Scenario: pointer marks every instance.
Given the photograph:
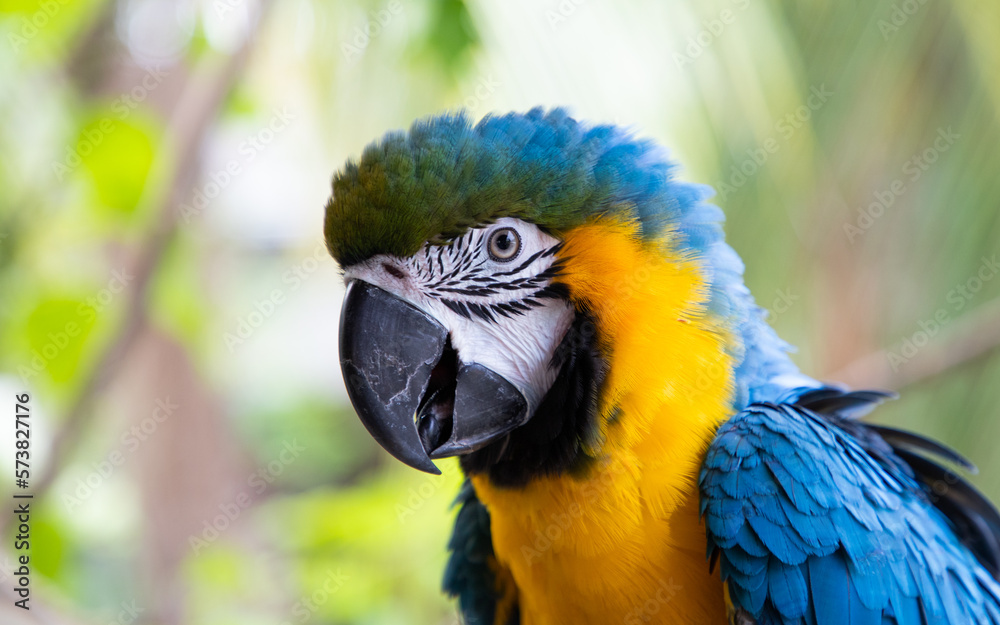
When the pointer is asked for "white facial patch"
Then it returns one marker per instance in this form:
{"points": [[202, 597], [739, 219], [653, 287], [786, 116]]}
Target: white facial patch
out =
{"points": [[492, 289]]}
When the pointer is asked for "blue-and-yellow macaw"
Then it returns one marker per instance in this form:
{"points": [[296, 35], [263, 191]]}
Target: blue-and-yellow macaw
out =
{"points": [[544, 300]]}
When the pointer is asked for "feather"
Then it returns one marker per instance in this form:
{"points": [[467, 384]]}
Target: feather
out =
{"points": [[748, 565], [787, 589], [846, 405], [901, 438], [830, 586], [856, 533], [782, 544], [977, 522]]}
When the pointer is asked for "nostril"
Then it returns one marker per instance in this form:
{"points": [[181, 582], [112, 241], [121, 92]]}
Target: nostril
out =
{"points": [[393, 271]]}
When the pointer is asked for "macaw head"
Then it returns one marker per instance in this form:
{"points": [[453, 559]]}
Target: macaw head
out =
{"points": [[492, 270]]}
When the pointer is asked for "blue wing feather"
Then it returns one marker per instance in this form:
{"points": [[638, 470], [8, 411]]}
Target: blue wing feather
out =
{"points": [[814, 528]]}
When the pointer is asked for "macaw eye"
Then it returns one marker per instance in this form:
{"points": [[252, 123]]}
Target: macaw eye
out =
{"points": [[504, 244]]}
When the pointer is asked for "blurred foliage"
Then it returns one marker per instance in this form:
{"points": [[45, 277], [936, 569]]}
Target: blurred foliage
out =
{"points": [[816, 122]]}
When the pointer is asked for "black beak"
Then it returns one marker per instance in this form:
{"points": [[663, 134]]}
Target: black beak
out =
{"points": [[409, 388]]}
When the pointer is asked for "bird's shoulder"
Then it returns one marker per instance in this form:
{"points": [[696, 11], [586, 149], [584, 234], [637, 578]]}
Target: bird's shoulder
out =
{"points": [[814, 517]]}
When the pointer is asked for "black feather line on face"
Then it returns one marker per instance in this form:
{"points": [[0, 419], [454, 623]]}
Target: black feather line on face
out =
{"points": [[463, 276], [556, 290], [511, 308], [527, 263], [457, 307], [483, 312], [462, 241], [495, 308], [476, 292]]}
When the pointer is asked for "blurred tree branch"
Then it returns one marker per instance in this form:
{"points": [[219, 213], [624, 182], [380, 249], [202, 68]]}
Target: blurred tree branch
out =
{"points": [[968, 338], [86, 62], [203, 95]]}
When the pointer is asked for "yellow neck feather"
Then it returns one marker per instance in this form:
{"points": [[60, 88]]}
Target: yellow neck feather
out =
{"points": [[617, 543]]}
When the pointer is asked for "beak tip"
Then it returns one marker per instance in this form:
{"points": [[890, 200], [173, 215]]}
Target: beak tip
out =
{"points": [[421, 464]]}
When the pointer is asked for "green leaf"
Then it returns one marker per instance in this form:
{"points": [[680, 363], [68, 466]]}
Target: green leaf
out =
{"points": [[47, 544], [118, 155], [39, 29], [452, 33], [57, 330]]}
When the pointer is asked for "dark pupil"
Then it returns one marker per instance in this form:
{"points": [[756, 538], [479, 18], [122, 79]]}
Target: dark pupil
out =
{"points": [[504, 242]]}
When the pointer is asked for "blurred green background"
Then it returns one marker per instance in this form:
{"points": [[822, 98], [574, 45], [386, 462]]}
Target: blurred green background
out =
{"points": [[166, 300]]}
